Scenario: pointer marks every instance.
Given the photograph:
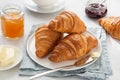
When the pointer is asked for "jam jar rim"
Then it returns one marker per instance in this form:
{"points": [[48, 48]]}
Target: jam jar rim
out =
{"points": [[12, 6]]}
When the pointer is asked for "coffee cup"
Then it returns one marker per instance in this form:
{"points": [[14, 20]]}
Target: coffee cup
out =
{"points": [[45, 3]]}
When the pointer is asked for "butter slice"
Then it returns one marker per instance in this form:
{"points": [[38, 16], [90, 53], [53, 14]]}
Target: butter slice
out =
{"points": [[2, 53], [95, 54], [9, 56]]}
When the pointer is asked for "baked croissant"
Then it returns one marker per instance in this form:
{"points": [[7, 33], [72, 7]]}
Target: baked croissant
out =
{"points": [[72, 47], [111, 25], [45, 40], [67, 22]]}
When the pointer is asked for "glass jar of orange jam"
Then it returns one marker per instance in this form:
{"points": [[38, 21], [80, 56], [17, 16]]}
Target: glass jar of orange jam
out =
{"points": [[12, 21]]}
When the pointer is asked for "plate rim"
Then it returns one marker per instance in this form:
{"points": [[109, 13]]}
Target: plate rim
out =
{"points": [[50, 11], [76, 68], [17, 62]]}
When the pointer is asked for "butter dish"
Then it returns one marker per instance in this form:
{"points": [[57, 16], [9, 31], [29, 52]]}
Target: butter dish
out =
{"points": [[10, 56]]}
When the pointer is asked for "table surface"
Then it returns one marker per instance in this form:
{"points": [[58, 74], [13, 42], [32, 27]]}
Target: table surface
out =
{"points": [[77, 6]]}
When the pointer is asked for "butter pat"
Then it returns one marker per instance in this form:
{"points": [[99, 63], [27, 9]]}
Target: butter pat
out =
{"points": [[95, 54], [8, 56], [2, 53]]}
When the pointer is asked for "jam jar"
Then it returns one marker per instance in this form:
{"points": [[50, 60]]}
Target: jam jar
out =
{"points": [[12, 21], [96, 8]]}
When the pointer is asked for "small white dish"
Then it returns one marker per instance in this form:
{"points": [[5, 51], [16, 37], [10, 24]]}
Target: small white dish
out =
{"points": [[18, 58], [45, 62], [54, 8], [44, 3]]}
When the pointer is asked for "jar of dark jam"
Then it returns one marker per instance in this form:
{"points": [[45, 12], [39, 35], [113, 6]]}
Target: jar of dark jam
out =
{"points": [[96, 8]]}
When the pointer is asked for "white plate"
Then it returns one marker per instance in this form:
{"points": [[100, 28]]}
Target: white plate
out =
{"points": [[56, 7], [51, 65], [18, 58]]}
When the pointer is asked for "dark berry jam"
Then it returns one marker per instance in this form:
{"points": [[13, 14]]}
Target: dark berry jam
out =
{"points": [[96, 10]]}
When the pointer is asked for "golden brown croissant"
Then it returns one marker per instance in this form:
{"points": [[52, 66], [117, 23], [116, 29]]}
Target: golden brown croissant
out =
{"points": [[67, 22], [45, 40], [111, 25], [74, 46]]}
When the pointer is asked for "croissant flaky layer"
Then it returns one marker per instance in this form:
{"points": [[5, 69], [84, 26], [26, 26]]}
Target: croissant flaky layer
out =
{"points": [[111, 25], [67, 22], [73, 46], [45, 40]]}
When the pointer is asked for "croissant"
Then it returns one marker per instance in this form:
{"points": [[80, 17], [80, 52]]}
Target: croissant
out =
{"points": [[72, 47], [67, 22], [111, 25], [45, 40]]}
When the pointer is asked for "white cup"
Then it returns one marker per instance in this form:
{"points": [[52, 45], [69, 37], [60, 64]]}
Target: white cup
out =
{"points": [[45, 3]]}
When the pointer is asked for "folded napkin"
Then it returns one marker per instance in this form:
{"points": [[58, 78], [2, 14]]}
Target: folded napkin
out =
{"points": [[100, 70]]}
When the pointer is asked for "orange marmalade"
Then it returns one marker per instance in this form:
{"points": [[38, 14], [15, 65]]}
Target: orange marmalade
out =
{"points": [[12, 22]]}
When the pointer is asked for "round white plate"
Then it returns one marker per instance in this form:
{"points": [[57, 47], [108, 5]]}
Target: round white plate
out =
{"points": [[18, 58], [56, 7], [51, 65]]}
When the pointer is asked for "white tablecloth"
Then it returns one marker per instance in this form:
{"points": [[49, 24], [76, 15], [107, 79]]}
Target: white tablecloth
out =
{"points": [[77, 6]]}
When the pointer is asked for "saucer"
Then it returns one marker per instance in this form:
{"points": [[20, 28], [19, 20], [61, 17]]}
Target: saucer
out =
{"points": [[18, 58], [54, 8]]}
